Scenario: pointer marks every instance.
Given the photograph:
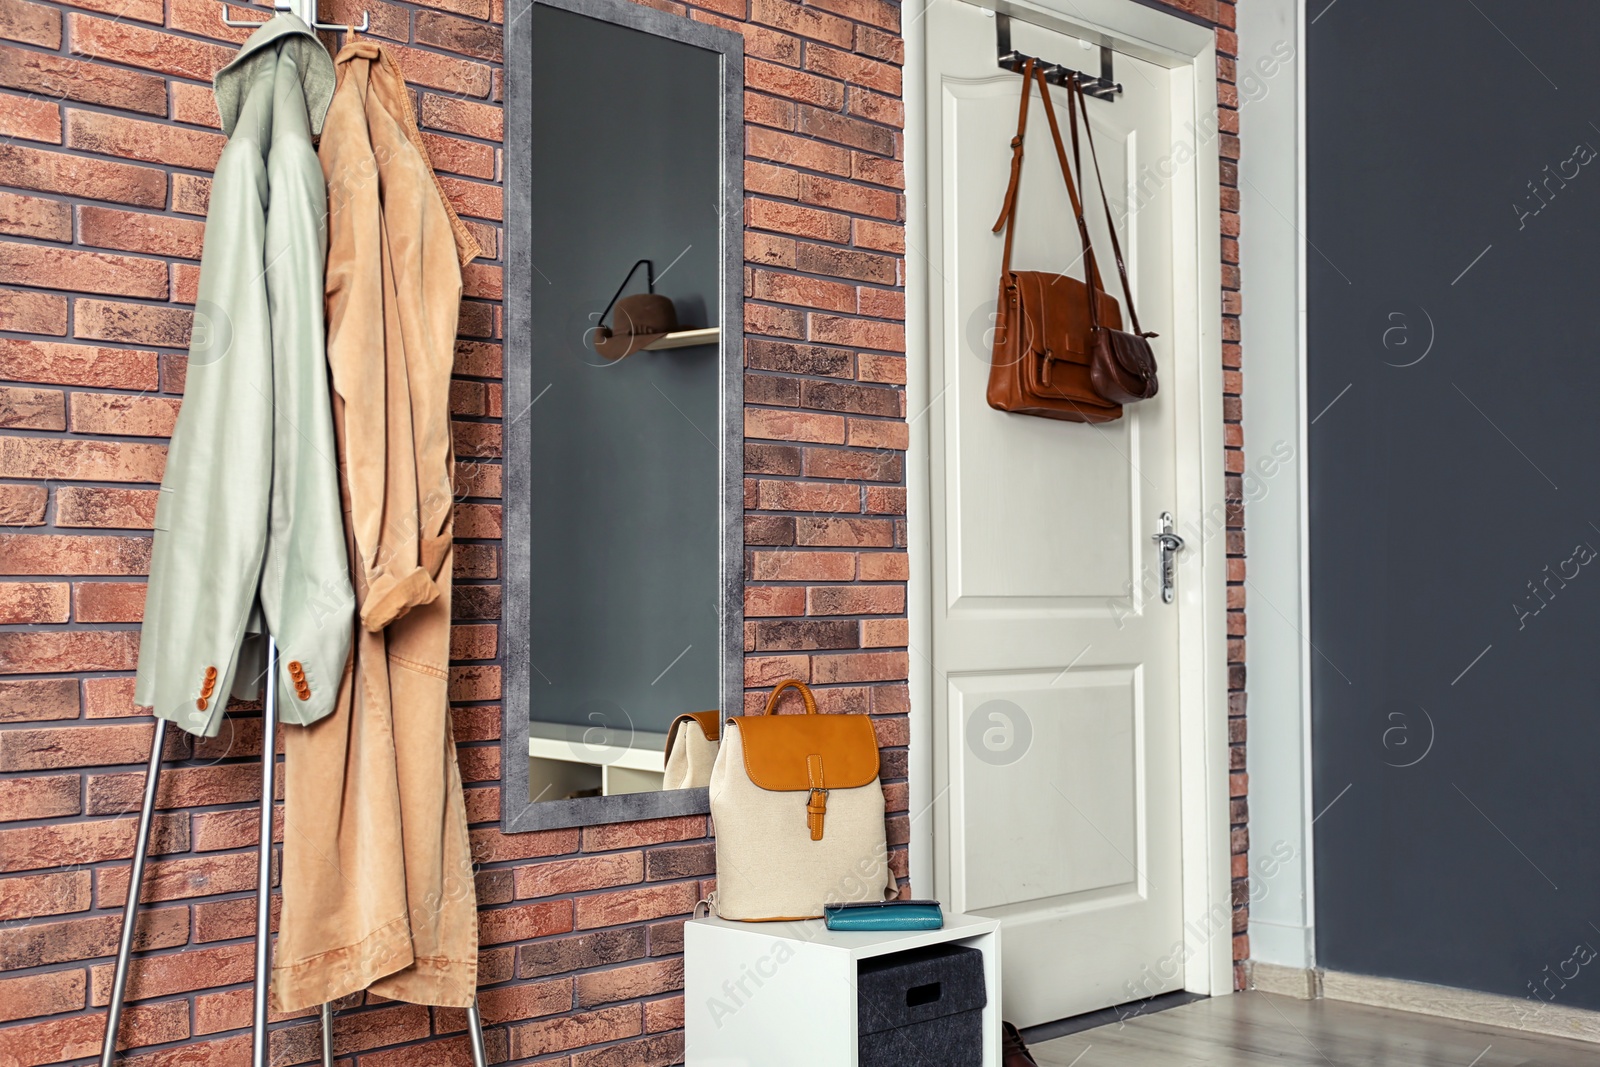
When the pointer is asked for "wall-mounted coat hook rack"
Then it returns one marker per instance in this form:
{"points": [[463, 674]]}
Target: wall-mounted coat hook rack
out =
{"points": [[1102, 86], [307, 10]]}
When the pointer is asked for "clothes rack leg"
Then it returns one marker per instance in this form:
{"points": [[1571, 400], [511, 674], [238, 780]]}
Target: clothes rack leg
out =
{"points": [[480, 1058], [269, 761], [130, 907], [327, 1035]]}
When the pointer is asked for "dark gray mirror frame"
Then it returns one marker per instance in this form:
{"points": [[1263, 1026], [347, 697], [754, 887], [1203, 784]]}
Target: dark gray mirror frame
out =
{"points": [[517, 813]]}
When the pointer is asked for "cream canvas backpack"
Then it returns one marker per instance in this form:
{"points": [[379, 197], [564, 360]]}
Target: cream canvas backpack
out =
{"points": [[691, 750], [798, 813]]}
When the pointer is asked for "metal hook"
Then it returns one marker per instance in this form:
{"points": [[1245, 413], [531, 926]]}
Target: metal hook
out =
{"points": [[366, 20], [246, 23], [1102, 88]]}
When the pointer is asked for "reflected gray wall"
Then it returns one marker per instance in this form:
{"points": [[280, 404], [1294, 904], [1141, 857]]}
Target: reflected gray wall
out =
{"points": [[624, 530]]}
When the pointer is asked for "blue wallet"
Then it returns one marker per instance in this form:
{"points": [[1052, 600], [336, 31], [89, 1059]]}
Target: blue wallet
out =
{"points": [[885, 915]]}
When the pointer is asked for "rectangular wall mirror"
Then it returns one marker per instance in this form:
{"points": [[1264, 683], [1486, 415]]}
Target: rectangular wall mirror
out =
{"points": [[623, 447]]}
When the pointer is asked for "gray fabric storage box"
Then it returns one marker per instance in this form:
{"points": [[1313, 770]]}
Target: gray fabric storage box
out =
{"points": [[922, 1008]]}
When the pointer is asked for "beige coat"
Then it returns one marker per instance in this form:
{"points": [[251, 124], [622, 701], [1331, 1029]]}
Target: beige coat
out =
{"points": [[377, 871]]}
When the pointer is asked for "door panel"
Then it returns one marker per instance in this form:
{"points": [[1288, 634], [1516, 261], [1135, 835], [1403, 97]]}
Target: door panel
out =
{"points": [[1054, 657], [1084, 727], [1014, 490]]}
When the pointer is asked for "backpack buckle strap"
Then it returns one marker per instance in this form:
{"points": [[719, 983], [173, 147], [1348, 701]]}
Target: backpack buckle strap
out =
{"points": [[817, 799]]}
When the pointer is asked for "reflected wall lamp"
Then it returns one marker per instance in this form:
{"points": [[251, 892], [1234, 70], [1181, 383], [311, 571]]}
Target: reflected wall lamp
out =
{"points": [[644, 322]]}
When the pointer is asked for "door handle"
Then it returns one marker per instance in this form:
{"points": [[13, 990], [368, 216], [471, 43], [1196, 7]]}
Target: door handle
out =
{"points": [[1169, 544]]}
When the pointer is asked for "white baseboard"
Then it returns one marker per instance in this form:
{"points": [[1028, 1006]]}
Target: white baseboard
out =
{"points": [[1465, 1005]]}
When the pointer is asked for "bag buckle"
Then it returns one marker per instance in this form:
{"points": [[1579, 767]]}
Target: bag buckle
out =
{"points": [[816, 810]]}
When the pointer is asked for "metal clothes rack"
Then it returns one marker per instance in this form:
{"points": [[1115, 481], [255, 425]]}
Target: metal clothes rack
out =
{"points": [[1102, 86], [306, 10]]}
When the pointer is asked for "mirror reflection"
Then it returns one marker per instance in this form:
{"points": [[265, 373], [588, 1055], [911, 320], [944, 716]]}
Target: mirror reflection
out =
{"points": [[625, 420]]}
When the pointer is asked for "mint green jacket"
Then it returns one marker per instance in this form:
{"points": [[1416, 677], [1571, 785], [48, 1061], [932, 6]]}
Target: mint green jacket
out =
{"points": [[249, 531]]}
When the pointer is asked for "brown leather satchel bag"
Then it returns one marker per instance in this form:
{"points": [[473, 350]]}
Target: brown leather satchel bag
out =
{"points": [[1048, 325]]}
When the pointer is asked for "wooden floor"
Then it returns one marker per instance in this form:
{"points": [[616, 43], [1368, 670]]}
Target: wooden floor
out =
{"points": [[1258, 1029]]}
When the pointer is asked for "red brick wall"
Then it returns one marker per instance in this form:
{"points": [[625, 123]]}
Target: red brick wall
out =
{"points": [[109, 134], [1222, 14]]}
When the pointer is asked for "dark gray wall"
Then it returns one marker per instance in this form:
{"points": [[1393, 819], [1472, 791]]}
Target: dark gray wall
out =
{"points": [[1455, 600], [625, 530]]}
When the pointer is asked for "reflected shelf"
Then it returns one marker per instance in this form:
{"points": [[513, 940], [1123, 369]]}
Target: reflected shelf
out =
{"points": [[685, 339]]}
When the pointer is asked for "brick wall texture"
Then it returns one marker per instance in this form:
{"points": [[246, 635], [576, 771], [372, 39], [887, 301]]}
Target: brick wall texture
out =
{"points": [[107, 136]]}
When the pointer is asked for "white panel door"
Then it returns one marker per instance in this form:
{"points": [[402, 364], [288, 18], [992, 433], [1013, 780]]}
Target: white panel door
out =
{"points": [[1055, 661]]}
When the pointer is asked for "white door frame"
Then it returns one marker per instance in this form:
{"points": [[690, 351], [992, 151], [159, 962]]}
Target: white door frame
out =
{"points": [[1272, 193], [1195, 382]]}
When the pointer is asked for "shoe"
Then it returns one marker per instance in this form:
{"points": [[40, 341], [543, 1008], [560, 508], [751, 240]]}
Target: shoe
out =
{"points": [[1013, 1050]]}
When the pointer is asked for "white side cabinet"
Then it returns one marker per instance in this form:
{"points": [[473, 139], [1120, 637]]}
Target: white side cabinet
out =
{"points": [[783, 994]]}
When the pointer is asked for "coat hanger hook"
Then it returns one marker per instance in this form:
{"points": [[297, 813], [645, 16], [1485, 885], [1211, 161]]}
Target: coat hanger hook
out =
{"points": [[279, 5], [366, 21], [247, 23]]}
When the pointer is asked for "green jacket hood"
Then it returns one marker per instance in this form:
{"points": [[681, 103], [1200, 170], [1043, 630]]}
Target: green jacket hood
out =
{"points": [[317, 78]]}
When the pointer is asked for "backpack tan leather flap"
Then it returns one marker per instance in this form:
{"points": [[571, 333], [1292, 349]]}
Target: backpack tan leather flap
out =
{"points": [[710, 723], [788, 753]]}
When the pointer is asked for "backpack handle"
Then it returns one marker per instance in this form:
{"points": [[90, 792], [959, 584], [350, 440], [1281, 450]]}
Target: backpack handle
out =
{"points": [[791, 683]]}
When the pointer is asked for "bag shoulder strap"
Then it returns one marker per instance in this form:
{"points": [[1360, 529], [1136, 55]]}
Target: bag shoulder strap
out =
{"points": [[1076, 101], [1091, 265], [1008, 210]]}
